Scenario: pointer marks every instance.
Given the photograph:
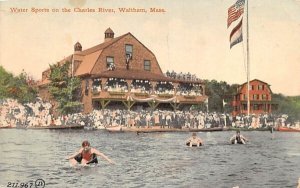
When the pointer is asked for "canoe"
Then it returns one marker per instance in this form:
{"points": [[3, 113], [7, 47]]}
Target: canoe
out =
{"points": [[248, 129], [114, 129], [208, 129], [58, 127], [6, 127], [288, 129]]}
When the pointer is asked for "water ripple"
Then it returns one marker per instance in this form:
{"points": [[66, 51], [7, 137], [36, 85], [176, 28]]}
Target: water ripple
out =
{"points": [[151, 160]]}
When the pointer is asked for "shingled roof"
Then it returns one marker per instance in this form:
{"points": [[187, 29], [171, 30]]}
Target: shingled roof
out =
{"points": [[102, 45], [88, 63]]}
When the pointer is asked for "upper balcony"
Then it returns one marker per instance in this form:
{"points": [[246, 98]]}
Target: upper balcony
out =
{"points": [[146, 90]]}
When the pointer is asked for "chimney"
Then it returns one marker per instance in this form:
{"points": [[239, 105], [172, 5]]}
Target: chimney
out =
{"points": [[77, 47], [108, 35]]}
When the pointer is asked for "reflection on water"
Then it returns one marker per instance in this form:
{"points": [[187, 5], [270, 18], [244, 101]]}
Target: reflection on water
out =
{"points": [[151, 160]]}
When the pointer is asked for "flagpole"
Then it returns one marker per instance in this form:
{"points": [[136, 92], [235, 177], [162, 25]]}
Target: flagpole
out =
{"points": [[248, 64]]}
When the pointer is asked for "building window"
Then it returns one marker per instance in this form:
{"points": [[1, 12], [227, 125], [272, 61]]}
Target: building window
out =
{"points": [[128, 51], [245, 97], [255, 107], [96, 86], [110, 62], [264, 97], [255, 97], [252, 87], [147, 65], [86, 87], [260, 87]]}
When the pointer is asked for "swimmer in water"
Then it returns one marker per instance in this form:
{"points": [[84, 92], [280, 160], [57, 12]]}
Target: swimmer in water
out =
{"points": [[238, 138], [194, 141], [87, 155]]}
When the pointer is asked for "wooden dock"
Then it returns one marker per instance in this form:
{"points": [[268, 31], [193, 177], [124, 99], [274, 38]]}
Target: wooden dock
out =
{"points": [[159, 129]]}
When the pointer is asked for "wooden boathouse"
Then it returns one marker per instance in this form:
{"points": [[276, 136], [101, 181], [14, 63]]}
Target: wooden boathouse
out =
{"points": [[123, 72]]}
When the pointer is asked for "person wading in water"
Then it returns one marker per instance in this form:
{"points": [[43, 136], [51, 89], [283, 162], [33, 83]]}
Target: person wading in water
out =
{"points": [[238, 138], [87, 155], [194, 141]]}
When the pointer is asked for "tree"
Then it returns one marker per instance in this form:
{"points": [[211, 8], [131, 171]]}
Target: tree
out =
{"points": [[22, 90], [217, 92], [5, 80], [21, 87], [64, 88], [288, 105]]}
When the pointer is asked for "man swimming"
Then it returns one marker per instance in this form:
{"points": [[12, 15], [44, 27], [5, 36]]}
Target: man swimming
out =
{"points": [[87, 155], [238, 138], [194, 141]]}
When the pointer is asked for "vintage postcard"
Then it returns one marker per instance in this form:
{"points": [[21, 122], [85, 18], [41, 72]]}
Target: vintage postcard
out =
{"points": [[161, 93]]}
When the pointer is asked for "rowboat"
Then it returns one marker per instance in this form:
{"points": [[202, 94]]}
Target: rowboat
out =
{"points": [[208, 129], [6, 127], [114, 129], [58, 127], [288, 129]]}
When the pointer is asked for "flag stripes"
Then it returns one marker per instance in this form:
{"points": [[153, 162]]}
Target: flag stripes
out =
{"points": [[236, 35], [235, 11]]}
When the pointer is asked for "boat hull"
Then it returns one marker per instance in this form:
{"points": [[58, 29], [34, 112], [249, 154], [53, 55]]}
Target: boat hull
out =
{"points": [[58, 127], [287, 129]]}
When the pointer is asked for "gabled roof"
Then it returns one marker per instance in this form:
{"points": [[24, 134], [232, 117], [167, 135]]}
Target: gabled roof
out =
{"points": [[102, 45], [91, 55], [88, 63], [241, 86], [256, 80]]}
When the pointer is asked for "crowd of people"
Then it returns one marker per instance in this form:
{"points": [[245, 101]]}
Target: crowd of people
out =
{"points": [[116, 85], [141, 86], [191, 89], [33, 114], [145, 86], [39, 113], [182, 76], [182, 119]]}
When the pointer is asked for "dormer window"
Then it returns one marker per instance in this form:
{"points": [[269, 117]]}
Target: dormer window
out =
{"points": [[128, 51], [147, 65], [110, 62]]}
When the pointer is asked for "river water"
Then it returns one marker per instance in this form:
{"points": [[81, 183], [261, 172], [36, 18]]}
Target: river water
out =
{"points": [[150, 159]]}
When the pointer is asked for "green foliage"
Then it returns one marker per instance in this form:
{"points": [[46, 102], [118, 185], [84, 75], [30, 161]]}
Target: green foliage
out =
{"points": [[19, 87], [5, 80], [64, 88], [217, 92], [288, 105]]}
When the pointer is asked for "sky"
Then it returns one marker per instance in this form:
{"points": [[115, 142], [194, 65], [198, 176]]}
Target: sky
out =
{"points": [[190, 36]]}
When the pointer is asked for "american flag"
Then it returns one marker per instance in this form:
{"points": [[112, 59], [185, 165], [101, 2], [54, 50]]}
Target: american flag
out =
{"points": [[235, 11]]}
